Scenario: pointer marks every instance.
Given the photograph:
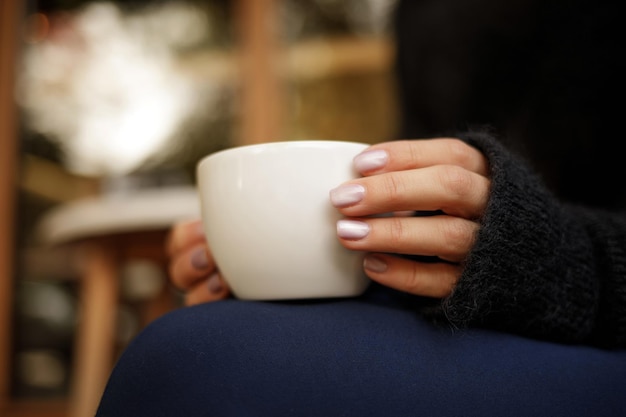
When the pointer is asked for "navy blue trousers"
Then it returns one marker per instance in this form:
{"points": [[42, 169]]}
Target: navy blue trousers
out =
{"points": [[351, 357]]}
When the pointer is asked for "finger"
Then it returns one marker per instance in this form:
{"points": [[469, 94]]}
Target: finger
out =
{"points": [[449, 238], [212, 288], [183, 235], [191, 266], [420, 153], [449, 188], [425, 279]]}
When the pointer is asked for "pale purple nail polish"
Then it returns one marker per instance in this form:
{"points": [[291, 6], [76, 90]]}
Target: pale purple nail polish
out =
{"points": [[199, 259], [371, 160], [347, 195], [215, 283], [374, 264], [352, 229]]}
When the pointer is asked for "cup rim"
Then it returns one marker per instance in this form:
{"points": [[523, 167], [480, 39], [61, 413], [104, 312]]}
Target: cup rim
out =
{"points": [[296, 143]]}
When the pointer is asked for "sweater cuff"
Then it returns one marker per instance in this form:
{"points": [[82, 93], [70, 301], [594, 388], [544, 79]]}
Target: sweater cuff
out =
{"points": [[531, 269]]}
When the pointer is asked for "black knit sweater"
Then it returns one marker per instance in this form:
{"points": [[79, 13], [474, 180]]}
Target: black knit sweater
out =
{"points": [[546, 76], [539, 267]]}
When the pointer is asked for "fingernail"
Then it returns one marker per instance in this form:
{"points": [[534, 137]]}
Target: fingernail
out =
{"points": [[347, 195], [215, 283], [199, 259], [371, 160], [374, 264], [352, 229]]}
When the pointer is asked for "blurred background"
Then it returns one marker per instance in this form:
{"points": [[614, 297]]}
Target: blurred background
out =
{"points": [[106, 108]]}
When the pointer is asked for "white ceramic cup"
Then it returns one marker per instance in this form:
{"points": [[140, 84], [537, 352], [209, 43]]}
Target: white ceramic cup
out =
{"points": [[269, 222]]}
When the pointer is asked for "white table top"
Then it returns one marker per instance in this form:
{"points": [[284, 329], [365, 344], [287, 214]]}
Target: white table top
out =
{"points": [[140, 210]]}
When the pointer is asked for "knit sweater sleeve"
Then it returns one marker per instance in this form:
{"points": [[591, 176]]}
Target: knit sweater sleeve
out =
{"points": [[539, 267]]}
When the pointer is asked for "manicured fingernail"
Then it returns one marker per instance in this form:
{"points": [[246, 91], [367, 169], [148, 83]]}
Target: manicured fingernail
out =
{"points": [[371, 160], [215, 283], [374, 264], [347, 195], [199, 259], [352, 229]]}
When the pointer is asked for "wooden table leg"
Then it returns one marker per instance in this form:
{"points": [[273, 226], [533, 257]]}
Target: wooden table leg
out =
{"points": [[159, 305], [262, 95], [95, 342], [10, 25]]}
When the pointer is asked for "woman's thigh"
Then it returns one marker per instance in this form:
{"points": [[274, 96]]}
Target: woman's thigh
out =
{"points": [[351, 358]]}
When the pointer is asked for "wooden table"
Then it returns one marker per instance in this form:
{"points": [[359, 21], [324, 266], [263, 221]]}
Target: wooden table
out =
{"points": [[110, 230]]}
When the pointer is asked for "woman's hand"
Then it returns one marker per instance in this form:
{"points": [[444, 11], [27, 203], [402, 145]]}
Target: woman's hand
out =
{"points": [[444, 175], [191, 267]]}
